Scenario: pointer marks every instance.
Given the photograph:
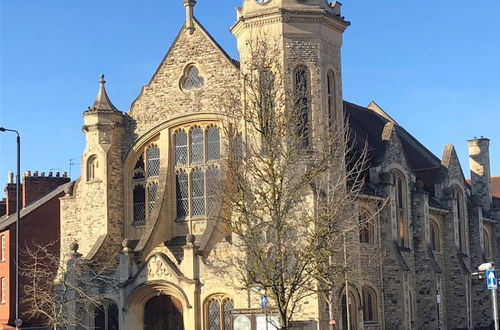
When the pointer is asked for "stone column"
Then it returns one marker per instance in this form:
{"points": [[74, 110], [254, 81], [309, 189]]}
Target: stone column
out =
{"points": [[425, 272]]}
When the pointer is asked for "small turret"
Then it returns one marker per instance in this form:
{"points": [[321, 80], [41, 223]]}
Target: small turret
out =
{"points": [[102, 101]]}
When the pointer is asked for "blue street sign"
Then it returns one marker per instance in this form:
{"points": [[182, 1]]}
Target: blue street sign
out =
{"points": [[491, 279], [263, 302]]}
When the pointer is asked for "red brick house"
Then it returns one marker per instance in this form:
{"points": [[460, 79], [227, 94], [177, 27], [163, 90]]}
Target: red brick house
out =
{"points": [[39, 223]]}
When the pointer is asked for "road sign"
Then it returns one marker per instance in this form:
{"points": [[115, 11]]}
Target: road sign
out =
{"points": [[264, 303], [491, 279]]}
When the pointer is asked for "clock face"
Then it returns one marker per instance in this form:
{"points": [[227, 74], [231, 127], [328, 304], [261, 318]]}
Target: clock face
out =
{"points": [[261, 1]]}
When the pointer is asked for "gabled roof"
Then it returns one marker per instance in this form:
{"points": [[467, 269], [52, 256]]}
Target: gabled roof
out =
{"points": [[368, 124], [8, 220]]}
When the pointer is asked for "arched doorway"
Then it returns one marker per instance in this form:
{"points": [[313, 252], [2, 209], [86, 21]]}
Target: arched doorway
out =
{"points": [[352, 320], [163, 312]]}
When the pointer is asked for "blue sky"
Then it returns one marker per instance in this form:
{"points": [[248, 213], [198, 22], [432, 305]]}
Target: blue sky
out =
{"points": [[434, 66]]}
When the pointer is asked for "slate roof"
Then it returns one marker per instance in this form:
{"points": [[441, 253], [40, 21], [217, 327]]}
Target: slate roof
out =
{"points": [[367, 125]]}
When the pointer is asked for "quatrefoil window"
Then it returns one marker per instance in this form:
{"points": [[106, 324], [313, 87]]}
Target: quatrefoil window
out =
{"points": [[192, 79]]}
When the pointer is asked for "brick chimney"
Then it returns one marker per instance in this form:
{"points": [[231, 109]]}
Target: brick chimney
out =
{"points": [[479, 160], [10, 193], [3, 207], [36, 186]]}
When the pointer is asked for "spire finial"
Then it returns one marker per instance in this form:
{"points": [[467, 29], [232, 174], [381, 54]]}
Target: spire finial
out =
{"points": [[189, 4], [102, 101]]}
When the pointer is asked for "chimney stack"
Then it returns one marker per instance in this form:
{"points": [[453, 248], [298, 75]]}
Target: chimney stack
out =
{"points": [[11, 196], [36, 186], [479, 160]]}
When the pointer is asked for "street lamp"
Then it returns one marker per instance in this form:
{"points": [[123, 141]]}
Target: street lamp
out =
{"points": [[488, 271], [18, 321]]}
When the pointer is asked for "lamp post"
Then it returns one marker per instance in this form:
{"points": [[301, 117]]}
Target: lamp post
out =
{"points": [[17, 321], [488, 271]]}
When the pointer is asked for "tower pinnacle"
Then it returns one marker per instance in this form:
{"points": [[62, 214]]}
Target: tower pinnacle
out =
{"points": [[102, 101], [189, 4]]}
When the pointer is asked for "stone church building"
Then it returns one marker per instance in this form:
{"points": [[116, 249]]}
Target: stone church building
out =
{"points": [[143, 200]]}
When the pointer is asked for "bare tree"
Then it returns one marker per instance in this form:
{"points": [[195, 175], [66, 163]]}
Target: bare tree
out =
{"points": [[290, 192], [59, 293]]}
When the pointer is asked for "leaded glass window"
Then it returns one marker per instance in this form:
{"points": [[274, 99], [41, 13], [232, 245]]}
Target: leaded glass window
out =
{"points": [[139, 204], [218, 312], [153, 161], [145, 184], [181, 179], [213, 174], [196, 168], [213, 143], [106, 316], [152, 189], [198, 192], [197, 145], [192, 79], [228, 306], [180, 138], [214, 314]]}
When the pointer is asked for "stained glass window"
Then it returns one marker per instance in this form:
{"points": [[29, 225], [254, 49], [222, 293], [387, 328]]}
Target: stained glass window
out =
{"points": [[198, 192], [182, 193], [213, 143], [180, 138], [197, 145]]}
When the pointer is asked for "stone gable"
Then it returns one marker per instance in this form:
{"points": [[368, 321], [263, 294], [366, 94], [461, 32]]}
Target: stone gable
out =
{"points": [[163, 98]]}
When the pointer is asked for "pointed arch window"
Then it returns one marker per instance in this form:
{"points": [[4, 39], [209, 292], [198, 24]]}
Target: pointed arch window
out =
{"points": [[213, 143], [92, 165], [218, 312], [197, 175], [302, 107], [369, 305], [366, 227], [145, 184], [487, 248], [153, 161], [180, 138], [458, 206], [401, 204], [330, 97], [197, 145], [435, 236], [106, 316]]}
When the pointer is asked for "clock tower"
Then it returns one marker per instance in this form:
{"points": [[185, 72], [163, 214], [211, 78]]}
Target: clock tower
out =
{"points": [[308, 34]]}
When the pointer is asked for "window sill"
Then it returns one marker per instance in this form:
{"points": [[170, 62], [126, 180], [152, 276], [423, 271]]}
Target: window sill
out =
{"points": [[195, 218], [94, 181], [142, 223]]}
